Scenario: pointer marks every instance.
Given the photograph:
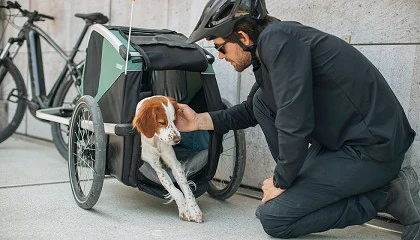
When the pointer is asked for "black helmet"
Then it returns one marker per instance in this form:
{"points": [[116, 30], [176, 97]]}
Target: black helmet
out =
{"points": [[220, 16]]}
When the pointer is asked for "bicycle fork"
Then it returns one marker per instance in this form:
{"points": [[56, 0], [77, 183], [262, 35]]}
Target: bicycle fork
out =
{"points": [[14, 95]]}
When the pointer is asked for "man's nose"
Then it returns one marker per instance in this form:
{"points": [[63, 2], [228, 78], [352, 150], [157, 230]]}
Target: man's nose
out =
{"points": [[221, 55]]}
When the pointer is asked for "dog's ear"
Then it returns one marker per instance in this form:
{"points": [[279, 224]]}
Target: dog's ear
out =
{"points": [[174, 103], [145, 121]]}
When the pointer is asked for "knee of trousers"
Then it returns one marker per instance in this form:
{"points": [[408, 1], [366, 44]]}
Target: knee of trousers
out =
{"points": [[276, 226]]}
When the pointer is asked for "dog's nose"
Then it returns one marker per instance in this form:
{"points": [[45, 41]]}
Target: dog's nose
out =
{"points": [[177, 139]]}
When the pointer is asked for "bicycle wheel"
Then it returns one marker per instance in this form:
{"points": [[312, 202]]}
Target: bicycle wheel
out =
{"points": [[87, 146], [231, 166], [67, 96], [12, 98]]}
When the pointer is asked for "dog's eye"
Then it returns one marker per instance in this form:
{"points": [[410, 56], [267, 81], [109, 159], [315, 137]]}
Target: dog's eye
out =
{"points": [[162, 122]]}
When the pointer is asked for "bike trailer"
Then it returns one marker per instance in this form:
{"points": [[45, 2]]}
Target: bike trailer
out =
{"points": [[159, 63]]}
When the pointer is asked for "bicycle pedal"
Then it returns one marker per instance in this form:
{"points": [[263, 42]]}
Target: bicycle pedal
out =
{"points": [[15, 96]]}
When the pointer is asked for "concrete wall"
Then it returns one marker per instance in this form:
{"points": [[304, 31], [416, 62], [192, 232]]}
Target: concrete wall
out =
{"points": [[387, 32]]}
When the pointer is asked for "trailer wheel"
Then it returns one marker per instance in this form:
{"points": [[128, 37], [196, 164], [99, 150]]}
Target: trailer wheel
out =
{"points": [[87, 145], [231, 166]]}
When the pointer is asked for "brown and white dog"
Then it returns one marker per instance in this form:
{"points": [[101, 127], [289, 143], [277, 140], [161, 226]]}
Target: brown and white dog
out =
{"points": [[154, 120]]}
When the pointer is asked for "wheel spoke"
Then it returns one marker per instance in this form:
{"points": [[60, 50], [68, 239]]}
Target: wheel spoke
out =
{"points": [[231, 165], [85, 160], [86, 163], [226, 164]]}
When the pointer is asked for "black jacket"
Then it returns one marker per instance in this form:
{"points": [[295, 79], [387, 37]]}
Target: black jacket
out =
{"points": [[322, 89]]}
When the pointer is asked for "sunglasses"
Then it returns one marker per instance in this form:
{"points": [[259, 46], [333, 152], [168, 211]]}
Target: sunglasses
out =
{"points": [[221, 47]]}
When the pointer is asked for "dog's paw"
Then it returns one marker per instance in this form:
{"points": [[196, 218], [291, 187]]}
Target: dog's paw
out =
{"points": [[185, 216], [196, 214], [198, 218]]}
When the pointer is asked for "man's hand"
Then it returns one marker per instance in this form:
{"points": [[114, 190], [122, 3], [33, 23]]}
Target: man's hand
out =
{"points": [[269, 190], [188, 120]]}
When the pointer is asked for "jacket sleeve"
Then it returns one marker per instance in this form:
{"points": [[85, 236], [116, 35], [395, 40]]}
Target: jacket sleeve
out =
{"points": [[288, 62], [240, 116]]}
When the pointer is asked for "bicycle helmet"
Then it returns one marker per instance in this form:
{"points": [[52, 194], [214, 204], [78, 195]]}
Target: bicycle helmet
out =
{"points": [[220, 16]]}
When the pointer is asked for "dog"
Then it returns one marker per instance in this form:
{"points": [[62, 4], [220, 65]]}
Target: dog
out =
{"points": [[154, 120]]}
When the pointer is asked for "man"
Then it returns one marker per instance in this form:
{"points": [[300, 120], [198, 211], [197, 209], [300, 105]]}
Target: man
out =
{"points": [[312, 87]]}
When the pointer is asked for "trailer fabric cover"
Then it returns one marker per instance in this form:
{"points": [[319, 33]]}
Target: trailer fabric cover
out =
{"points": [[93, 64], [166, 50], [172, 83]]}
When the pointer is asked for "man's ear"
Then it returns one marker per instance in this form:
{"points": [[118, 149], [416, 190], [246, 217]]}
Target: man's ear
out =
{"points": [[244, 38]]}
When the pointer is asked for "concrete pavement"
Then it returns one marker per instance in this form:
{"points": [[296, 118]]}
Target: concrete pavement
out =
{"points": [[36, 202]]}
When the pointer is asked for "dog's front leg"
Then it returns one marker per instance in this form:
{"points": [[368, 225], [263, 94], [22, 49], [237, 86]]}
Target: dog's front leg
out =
{"points": [[179, 174], [177, 195]]}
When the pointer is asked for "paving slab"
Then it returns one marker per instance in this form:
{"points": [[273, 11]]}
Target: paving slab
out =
{"points": [[36, 203]]}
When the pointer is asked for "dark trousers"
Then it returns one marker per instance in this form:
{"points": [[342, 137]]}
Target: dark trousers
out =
{"points": [[331, 190]]}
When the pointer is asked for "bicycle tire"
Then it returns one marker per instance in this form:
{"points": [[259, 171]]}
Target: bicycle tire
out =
{"points": [[60, 132], [11, 84], [87, 152], [225, 184]]}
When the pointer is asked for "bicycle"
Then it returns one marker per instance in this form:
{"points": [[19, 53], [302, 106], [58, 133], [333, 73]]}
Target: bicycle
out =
{"points": [[66, 89]]}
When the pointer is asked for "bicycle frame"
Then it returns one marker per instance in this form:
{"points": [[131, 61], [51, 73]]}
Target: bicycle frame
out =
{"points": [[32, 33]]}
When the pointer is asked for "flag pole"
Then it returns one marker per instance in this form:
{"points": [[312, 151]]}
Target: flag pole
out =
{"points": [[129, 36]]}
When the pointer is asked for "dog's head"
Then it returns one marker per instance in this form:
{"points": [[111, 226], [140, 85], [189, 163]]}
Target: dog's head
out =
{"points": [[155, 116]]}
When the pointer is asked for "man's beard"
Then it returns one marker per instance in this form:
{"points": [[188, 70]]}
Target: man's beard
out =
{"points": [[244, 61]]}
